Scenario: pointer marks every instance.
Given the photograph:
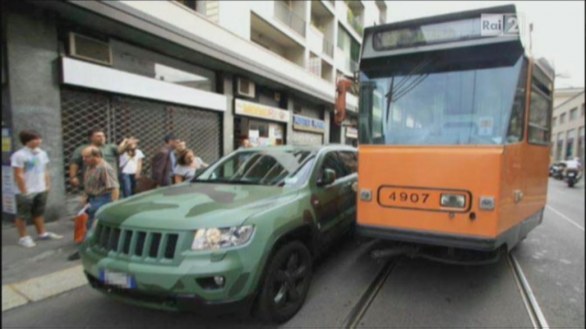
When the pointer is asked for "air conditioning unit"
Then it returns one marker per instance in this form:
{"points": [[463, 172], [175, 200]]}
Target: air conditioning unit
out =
{"points": [[246, 88], [89, 49]]}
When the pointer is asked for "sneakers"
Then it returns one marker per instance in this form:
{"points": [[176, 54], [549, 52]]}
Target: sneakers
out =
{"points": [[26, 242], [50, 236]]}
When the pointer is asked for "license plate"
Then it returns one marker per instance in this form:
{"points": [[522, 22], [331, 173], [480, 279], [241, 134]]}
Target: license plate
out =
{"points": [[418, 198], [122, 280]]}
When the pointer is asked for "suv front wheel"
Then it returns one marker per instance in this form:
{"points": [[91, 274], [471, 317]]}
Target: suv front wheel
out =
{"points": [[286, 283]]}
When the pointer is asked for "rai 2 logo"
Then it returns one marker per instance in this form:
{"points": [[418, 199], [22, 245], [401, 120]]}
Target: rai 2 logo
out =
{"points": [[500, 25]]}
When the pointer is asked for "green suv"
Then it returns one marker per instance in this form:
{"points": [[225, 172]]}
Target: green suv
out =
{"points": [[243, 233]]}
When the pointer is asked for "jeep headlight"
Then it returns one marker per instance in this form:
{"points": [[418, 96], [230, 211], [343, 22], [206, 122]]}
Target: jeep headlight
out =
{"points": [[216, 238]]}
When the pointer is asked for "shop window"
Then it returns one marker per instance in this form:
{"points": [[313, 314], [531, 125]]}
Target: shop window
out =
{"points": [[261, 127]]}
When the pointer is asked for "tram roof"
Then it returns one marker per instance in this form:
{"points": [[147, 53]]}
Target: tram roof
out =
{"points": [[463, 23]]}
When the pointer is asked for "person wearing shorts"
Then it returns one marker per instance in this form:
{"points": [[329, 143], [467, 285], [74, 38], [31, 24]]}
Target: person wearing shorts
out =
{"points": [[31, 187]]}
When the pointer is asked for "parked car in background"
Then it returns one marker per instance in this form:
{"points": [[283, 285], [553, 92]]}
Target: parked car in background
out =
{"points": [[556, 170], [242, 233]]}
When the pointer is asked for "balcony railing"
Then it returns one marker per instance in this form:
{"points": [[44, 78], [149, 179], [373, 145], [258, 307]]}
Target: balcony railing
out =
{"points": [[287, 16], [328, 48], [350, 65]]}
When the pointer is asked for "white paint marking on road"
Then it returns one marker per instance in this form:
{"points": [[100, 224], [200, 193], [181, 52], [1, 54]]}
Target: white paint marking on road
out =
{"points": [[11, 298], [42, 287], [535, 313], [566, 218]]}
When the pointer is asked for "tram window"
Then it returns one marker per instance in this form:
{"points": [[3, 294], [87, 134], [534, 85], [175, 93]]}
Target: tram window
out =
{"points": [[539, 118], [517, 120]]}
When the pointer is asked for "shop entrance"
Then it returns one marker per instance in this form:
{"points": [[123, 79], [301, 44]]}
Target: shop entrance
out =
{"points": [[258, 132]]}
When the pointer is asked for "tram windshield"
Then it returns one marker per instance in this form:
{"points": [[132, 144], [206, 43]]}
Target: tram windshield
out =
{"points": [[439, 100]]}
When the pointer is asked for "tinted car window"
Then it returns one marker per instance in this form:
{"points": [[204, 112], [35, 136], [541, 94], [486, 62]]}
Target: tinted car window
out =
{"points": [[332, 161], [349, 161], [262, 167]]}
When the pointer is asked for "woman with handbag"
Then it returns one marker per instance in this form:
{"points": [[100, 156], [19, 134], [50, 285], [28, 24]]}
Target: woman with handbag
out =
{"points": [[187, 164], [130, 167]]}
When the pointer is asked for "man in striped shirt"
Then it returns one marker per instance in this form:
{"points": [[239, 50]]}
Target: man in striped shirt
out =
{"points": [[100, 184]]}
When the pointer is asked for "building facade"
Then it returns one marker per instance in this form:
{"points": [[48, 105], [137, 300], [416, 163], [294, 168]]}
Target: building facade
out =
{"points": [[213, 72], [567, 138]]}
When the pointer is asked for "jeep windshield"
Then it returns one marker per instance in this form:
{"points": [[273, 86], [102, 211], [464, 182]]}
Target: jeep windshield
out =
{"points": [[261, 167]]}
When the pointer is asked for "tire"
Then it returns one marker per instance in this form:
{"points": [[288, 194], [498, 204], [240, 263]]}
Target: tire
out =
{"points": [[286, 283]]}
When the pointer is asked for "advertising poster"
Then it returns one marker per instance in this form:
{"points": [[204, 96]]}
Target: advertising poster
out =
{"points": [[8, 199]]}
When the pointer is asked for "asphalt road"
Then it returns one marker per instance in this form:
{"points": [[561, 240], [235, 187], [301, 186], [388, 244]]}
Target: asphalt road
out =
{"points": [[552, 257], [417, 293]]}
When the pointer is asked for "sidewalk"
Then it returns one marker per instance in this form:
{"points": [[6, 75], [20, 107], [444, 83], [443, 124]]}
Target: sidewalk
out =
{"points": [[33, 274]]}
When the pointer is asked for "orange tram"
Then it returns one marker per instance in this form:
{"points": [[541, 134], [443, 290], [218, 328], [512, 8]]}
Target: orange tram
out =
{"points": [[454, 131]]}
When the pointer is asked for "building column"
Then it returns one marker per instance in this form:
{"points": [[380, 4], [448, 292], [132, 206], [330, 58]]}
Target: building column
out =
{"points": [[327, 119], [34, 92], [228, 115], [290, 108]]}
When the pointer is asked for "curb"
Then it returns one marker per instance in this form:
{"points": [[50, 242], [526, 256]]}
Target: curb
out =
{"points": [[43, 287]]}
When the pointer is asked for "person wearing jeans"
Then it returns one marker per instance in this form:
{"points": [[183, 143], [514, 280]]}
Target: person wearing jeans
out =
{"points": [[100, 185], [130, 167]]}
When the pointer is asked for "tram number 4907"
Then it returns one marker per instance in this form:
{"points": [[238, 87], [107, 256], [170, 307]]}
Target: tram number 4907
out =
{"points": [[409, 197]]}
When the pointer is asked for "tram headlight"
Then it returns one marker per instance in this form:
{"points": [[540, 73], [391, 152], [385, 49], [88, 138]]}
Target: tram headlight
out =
{"points": [[453, 200]]}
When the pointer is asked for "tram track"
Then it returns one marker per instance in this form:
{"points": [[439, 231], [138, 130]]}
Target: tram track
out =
{"points": [[531, 304], [353, 319], [360, 309]]}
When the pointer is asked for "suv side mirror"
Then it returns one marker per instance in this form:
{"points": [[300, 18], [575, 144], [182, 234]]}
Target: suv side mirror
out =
{"points": [[328, 177]]}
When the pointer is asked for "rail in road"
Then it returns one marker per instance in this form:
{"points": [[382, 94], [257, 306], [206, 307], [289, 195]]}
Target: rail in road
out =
{"points": [[361, 308]]}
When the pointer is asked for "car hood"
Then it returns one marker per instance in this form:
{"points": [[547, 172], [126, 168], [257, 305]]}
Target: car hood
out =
{"points": [[193, 205]]}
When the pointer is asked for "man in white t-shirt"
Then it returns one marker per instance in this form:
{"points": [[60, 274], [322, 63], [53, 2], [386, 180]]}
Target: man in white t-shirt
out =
{"points": [[32, 183]]}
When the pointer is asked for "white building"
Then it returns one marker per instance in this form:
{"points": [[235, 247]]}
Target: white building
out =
{"points": [[321, 38], [213, 72], [567, 138]]}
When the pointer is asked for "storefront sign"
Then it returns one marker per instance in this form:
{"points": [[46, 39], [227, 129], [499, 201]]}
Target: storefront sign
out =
{"points": [[8, 199], [351, 132], [260, 111], [308, 124]]}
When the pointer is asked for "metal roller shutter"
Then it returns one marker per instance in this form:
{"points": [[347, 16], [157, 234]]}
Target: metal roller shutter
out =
{"points": [[146, 120]]}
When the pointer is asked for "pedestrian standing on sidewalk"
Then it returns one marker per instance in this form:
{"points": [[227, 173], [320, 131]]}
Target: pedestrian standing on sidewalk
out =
{"points": [[164, 161], [110, 153], [130, 167], [100, 185], [187, 164], [32, 184]]}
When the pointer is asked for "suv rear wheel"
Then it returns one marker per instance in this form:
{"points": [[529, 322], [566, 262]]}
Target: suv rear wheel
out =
{"points": [[286, 283]]}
